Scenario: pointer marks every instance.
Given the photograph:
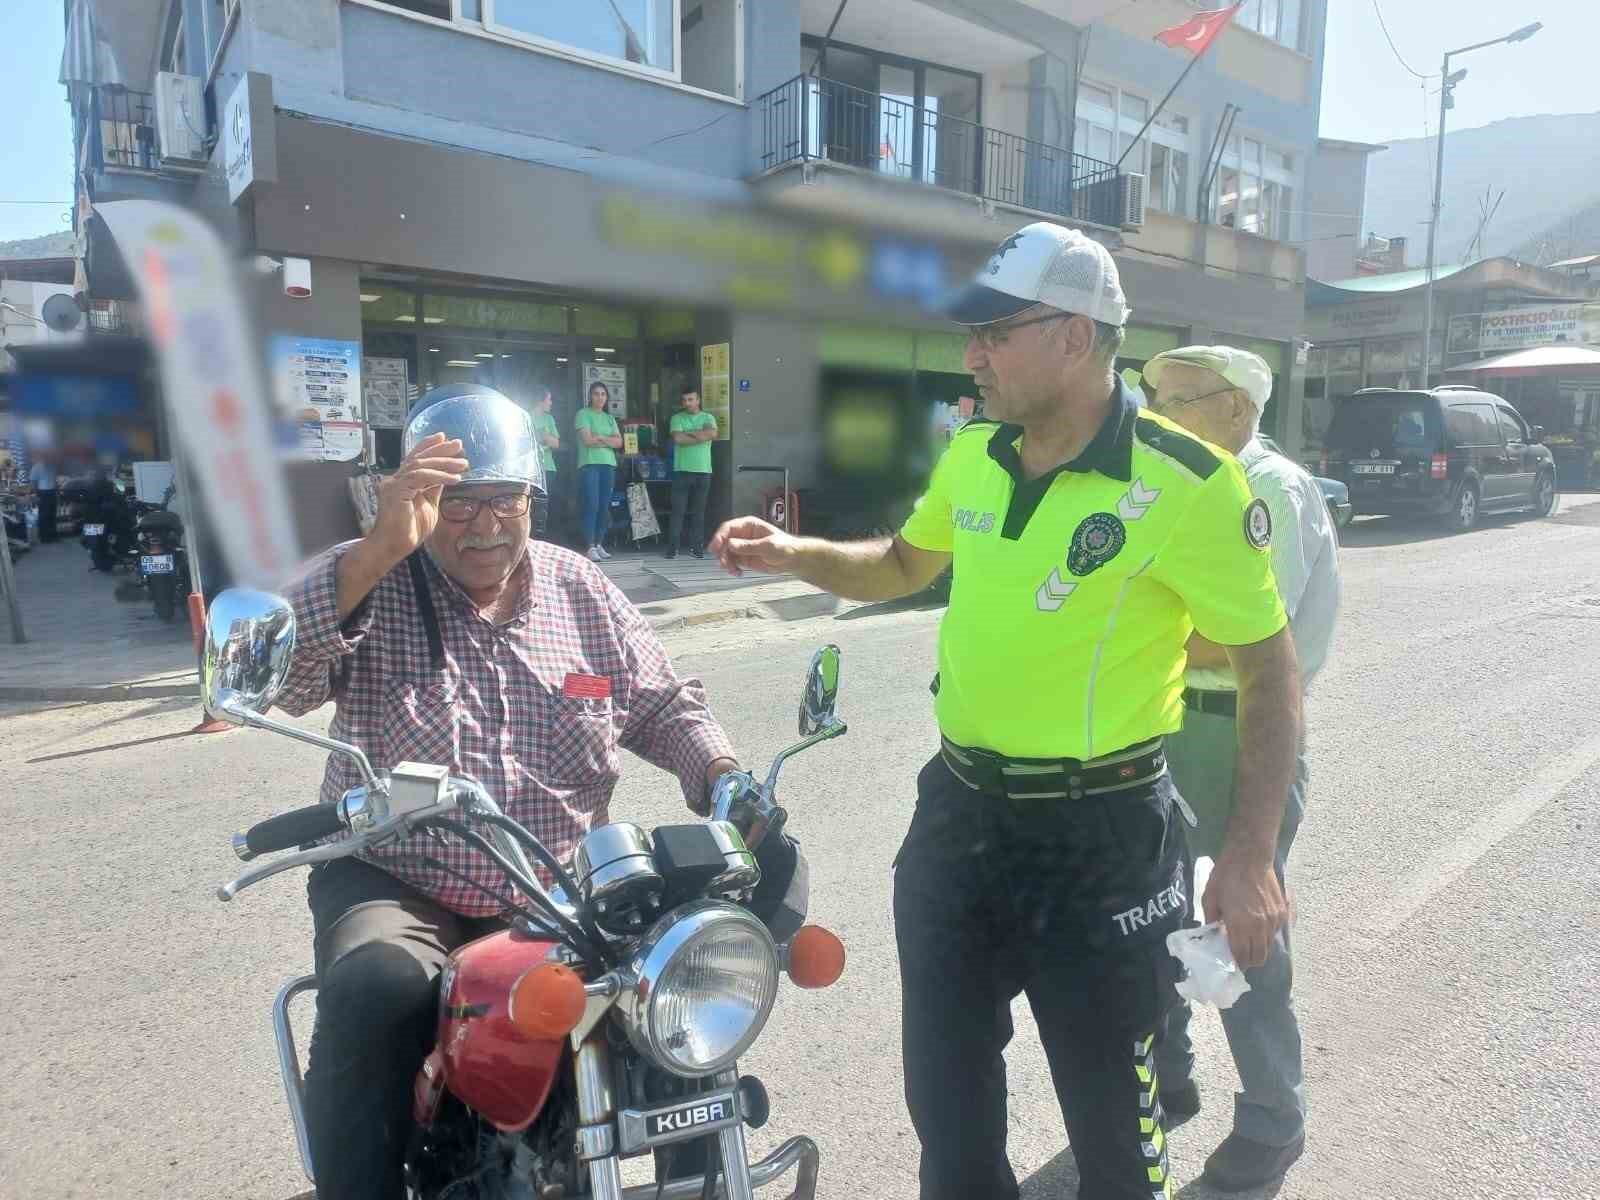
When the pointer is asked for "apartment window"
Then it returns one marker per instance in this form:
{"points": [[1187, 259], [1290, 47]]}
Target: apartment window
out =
{"points": [[1108, 120], [1255, 189], [643, 33], [423, 8], [1276, 19]]}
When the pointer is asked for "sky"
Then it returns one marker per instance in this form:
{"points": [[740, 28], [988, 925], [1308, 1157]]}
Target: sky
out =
{"points": [[35, 125], [1368, 96]]}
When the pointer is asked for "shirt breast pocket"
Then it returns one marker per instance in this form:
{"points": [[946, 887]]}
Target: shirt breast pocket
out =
{"points": [[419, 723], [574, 741]]}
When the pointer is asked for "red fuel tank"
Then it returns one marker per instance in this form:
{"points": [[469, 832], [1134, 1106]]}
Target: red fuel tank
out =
{"points": [[488, 1063]]}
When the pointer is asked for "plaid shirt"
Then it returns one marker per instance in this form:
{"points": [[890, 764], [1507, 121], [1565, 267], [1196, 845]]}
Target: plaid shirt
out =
{"points": [[503, 710]]}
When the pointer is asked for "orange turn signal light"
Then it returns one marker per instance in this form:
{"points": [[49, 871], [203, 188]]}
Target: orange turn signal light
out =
{"points": [[548, 1002], [816, 957]]}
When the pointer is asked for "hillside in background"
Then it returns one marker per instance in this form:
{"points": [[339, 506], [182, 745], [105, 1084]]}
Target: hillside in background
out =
{"points": [[50, 245], [1548, 166]]}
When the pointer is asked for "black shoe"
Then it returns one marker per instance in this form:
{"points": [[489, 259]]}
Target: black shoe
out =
{"points": [[1241, 1165], [1180, 1105], [698, 553], [670, 552]]}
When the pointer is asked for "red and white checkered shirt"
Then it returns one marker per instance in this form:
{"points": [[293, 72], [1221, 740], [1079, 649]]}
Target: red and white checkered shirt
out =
{"points": [[519, 706]]}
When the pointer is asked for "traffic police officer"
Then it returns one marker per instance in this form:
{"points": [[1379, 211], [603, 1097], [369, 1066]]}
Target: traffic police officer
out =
{"points": [[1218, 394], [1046, 853]]}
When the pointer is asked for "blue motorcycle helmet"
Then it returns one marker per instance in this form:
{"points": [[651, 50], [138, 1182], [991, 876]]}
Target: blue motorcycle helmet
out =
{"points": [[495, 432]]}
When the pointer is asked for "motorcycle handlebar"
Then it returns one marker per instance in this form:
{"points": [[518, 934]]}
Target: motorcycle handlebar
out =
{"points": [[289, 829]]}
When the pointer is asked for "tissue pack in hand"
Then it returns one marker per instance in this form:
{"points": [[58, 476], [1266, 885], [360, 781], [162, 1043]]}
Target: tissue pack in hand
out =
{"points": [[1213, 976]]}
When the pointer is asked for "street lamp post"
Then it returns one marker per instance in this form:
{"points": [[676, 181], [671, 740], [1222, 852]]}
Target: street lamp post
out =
{"points": [[1446, 87]]}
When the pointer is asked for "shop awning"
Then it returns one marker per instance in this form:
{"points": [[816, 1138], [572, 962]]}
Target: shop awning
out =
{"points": [[1539, 361]]}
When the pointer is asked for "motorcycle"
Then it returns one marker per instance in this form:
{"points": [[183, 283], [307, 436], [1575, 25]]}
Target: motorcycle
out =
{"points": [[107, 531], [163, 564], [15, 521], [608, 1021]]}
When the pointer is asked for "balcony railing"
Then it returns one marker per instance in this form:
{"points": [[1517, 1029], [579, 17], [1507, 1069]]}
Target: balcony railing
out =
{"points": [[122, 129], [815, 119]]}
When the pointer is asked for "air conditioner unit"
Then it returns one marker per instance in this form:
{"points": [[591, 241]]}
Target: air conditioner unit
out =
{"points": [[1130, 201], [180, 120]]}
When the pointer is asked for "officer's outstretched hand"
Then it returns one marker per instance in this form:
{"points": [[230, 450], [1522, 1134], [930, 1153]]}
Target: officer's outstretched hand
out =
{"points": [[751, 544], [1248, 901]]}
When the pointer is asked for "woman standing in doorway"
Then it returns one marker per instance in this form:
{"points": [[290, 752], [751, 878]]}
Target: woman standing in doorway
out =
{"points": [[599, 439]]}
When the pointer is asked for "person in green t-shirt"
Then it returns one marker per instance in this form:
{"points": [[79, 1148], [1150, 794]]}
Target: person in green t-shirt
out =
{"points": [[599, 439], [693, 431], [550, 514]]}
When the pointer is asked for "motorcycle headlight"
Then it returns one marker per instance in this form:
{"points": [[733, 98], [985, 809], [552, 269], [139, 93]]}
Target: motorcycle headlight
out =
{"points": [[701, 986]]}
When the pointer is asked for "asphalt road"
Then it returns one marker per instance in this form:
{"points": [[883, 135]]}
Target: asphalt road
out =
{"points": [[1445, 880]]}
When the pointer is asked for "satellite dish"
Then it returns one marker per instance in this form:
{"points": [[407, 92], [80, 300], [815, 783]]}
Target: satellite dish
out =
{"points": [[61, 313]]}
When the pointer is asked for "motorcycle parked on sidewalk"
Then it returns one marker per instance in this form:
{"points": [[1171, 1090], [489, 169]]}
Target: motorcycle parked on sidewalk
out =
{"points": [[608, 1021], [108, 528], [163, 563]]}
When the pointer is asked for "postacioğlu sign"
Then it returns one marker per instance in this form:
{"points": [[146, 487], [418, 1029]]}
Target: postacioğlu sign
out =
{"points": [[1523, 326], [249, 142]]}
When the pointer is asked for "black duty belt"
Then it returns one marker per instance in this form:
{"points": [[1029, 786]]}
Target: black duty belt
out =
{"points": [[1055, 778], [1219, 704]]}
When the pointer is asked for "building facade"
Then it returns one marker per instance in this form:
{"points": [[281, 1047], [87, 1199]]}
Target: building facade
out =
{"points": [[1367, 332], [763, 200]]}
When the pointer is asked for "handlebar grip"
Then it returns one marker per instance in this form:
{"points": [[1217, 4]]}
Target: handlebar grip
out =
{"points": [[295, 828]]}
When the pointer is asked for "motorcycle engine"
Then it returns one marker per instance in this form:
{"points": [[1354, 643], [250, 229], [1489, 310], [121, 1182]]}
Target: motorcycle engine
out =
{"points": [[462, 1157]]}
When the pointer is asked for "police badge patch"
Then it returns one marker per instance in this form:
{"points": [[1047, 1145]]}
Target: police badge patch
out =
{"points": [[1096, 541], [1258, 524]]}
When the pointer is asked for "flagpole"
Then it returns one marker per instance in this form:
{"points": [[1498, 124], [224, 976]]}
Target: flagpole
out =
{"points": [[1193, 59]]}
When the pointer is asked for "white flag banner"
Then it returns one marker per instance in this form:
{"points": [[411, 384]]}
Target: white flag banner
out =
{"points": [[212, 377]]}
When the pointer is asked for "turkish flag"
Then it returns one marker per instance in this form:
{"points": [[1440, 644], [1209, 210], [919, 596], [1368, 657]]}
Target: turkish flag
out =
{"points": [[1199, 31]]}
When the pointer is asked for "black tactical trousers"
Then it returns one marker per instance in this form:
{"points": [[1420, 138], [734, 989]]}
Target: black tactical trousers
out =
{"points": [[1069, 902]]}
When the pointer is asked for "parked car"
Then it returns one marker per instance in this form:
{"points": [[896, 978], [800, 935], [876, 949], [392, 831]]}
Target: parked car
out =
{"points": [[1453, 452], [1334, 492]]}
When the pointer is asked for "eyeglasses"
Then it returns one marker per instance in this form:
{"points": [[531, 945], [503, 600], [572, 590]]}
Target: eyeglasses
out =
{"points": [[991, 337], [460, 509], [1169, 405]]}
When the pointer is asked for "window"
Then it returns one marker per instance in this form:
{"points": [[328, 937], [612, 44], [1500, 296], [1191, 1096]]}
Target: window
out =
{"points": [[1510, 426], [1471, 425], [1255, 189], [641, 32], [1276, 19], [426, 8], [1108, 119]]}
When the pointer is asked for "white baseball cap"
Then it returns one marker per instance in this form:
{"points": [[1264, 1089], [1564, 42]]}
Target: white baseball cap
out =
{"points": [[1246, 371], [1043, 263]]}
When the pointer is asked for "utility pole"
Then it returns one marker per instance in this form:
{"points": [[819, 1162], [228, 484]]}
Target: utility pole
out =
{"points": [[1446, 102]]}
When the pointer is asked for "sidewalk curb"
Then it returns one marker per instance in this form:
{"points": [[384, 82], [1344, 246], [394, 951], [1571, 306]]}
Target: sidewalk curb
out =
{"points": [[97, 695]]}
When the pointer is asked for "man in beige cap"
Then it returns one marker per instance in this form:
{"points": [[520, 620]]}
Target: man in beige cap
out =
{"points": [[1218, 393]]}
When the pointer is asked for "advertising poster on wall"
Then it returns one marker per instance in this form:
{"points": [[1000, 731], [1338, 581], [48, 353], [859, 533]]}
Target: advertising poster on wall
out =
{"points": [[317, 382], [384, 392], [1523, 326], [616, 380], [715, 395]]}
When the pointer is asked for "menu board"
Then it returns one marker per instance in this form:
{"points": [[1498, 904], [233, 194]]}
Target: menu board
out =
{"points": [[385, 391], [317, 383], [715, 395]]}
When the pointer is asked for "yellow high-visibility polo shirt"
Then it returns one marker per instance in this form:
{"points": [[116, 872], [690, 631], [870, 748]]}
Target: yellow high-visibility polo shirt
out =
{"points": [[1074, 593]]}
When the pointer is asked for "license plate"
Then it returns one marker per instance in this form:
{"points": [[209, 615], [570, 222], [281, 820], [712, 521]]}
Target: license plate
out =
{"points": [[693, 1118], [156, 564], [1372, 468], [93, 530]]}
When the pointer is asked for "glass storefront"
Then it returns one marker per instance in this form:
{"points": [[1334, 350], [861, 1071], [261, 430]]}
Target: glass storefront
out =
{"points": [[523, 344]]}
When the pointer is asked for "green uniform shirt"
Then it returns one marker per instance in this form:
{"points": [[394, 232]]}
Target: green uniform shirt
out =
{"points": [[694, 458], [544, 425], [1074, 594], [601, 424]]}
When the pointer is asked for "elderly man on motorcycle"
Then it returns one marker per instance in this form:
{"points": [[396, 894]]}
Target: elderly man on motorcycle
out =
{"points": [[448, 635]]}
